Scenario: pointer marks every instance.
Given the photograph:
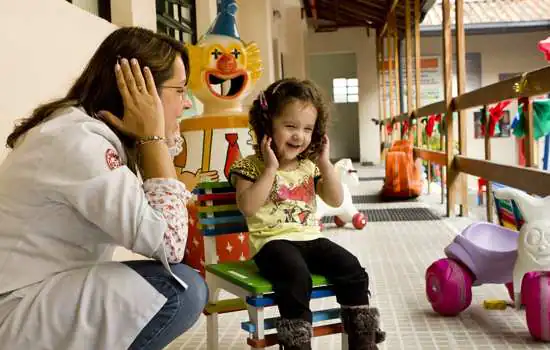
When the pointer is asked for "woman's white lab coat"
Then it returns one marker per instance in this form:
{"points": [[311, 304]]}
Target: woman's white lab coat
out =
{"points": [[63, 209]]}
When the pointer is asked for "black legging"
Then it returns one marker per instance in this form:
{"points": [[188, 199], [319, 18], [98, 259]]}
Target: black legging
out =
{"points": [[288, 265]]}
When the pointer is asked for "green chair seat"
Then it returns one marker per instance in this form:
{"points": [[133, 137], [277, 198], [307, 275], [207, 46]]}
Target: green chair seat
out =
{"points": [[245, 274]]}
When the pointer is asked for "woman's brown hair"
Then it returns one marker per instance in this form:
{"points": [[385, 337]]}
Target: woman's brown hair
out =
{"points": [[270, 103], [96, 88]]}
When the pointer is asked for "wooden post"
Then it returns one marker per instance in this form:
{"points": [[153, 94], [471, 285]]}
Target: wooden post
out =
{"points": [[418, 68], [390, 79], [396, 72], [408, 37], [461, 87], [449, 125], [487, 137], [529, 132], [382, 89]]}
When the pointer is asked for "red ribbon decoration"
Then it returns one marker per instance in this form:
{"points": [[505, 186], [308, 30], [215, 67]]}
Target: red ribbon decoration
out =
{"points": [[389, 127], [544, 47], [495, 114], [405, 127], [432, 119]]}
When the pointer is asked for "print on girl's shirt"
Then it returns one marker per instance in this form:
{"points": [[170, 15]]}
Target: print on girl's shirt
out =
{"points": [[294, 200], [304, 191]]}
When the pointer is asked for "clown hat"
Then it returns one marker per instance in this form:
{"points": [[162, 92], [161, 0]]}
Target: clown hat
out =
{"points": [[226, 22]]}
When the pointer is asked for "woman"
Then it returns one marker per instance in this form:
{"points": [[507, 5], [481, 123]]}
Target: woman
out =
{"points": [[88, 172]]}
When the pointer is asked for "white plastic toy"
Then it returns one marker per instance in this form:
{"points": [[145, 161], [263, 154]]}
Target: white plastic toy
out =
{"points": [[347, 211], [534, 236]]}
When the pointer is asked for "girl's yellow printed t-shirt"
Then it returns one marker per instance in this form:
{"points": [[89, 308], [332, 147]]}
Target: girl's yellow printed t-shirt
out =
{"points": [[289, 212]]}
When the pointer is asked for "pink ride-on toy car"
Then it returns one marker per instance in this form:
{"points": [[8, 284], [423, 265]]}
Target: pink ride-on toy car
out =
{"points": [[482, 253], [488, 253]]}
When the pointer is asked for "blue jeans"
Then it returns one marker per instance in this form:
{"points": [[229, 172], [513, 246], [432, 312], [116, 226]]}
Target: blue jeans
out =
{"points": [[181, 310]]}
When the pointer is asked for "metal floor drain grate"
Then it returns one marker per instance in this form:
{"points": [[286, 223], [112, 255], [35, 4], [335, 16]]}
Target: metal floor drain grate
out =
{"points": [[366, 198], [394, 214], [373, 178], [376, 198]]}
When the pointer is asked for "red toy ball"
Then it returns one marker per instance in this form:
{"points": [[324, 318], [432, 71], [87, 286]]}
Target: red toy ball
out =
{"points": [[339, 222], [359, 221]]}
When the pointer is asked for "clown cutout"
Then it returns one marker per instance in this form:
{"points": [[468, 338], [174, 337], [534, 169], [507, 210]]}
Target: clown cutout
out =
{"points": [[224, 70]]}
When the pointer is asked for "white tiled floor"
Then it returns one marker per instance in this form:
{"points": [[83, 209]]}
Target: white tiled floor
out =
{"points": [[396, 255]]}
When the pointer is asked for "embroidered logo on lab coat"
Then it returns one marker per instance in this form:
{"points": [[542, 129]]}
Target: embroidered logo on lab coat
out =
{"points": [[112, 159]]}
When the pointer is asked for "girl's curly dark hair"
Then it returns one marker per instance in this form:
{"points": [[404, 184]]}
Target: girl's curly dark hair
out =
{"points": [[271, 102]]}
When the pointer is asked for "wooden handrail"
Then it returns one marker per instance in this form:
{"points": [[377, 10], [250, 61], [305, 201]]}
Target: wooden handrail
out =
{"points": [[527, 179], [433, 108], [437, 157], [534, 83], [529, 84]]}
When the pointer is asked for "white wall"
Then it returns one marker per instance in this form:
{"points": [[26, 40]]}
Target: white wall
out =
{"points": [[293, 39], [41, 58], [255, 21], [134, 12], [357, 40]]}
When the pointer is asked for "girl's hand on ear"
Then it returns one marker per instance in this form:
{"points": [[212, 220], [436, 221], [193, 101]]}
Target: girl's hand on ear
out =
{"points": [[324, 156], [270, 159]]}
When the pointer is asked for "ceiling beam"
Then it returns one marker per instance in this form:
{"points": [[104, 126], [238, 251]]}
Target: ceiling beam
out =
{"points": [[358, 10], [346, 16], [391, 8], [372, 4], [357, 13]]}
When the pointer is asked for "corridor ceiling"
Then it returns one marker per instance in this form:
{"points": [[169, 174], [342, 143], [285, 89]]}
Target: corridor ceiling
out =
{"points": [[329, 15]]}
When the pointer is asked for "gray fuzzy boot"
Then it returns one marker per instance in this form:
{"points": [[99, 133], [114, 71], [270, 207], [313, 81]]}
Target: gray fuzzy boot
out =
{"points": [[294, 334], [362, 325]]}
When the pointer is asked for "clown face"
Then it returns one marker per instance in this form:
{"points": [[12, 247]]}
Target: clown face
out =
{"points": [[223, 72]]}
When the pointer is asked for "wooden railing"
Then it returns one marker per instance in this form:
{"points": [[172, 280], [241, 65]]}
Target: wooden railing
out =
{"points": [[457, 164], [521, 88]]}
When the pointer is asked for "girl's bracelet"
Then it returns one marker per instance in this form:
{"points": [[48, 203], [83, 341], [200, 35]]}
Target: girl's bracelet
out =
{"points": [[149, 139]]}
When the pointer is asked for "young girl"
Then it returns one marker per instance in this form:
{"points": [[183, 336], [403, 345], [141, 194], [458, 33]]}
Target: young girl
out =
{"points": [[276, 190]]}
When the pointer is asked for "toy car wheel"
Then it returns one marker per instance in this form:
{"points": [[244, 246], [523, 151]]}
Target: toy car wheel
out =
{"points": [[448, 287], [359, 221], [510, 287], [339, 222], [536, 289]]}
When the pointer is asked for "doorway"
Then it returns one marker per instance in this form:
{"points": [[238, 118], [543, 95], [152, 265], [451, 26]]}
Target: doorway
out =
{"points": [[336, 74]]}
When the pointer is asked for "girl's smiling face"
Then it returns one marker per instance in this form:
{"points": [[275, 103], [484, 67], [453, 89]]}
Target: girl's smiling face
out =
{"points": [[292, 130]]}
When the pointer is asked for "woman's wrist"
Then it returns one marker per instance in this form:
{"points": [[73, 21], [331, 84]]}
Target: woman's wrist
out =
{"points": [[150, 139]]}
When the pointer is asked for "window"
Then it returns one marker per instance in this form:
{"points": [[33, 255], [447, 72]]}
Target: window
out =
{"points": [[100, 8], [345, 90], [177, 18]]}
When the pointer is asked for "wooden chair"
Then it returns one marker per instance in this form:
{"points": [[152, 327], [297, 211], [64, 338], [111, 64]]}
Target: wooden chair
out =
{"points": [[218, 215]]}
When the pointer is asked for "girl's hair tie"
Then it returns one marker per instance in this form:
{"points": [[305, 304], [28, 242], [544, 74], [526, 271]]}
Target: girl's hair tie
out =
{"points": [[263, 101]]}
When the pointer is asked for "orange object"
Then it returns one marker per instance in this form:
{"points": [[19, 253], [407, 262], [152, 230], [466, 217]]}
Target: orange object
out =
{"points": [[403, 173]]}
